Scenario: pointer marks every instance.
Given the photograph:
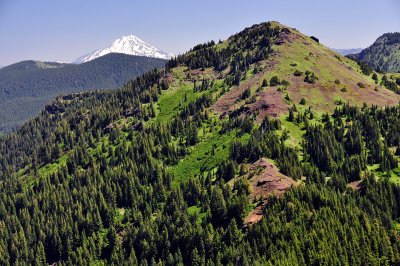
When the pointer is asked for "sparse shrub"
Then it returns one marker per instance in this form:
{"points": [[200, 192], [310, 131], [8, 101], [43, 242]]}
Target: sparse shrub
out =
{"points": [[375, 77], [293, 64], [285, 83], [285, 135], [297, 73], [366, 69], [241, 185], [337, 82], [291, 115], [390, 84], [287, 97], [264, 83], [325, 117], [314, 39], [310, 77], [274, 81], [361, 85], [344, 89], [246, 94], [338, 101], [164, 85], [252, 99], [302, 101]]}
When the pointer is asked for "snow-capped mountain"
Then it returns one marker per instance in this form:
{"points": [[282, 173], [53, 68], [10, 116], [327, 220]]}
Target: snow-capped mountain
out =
{"points": [[131, 45]]}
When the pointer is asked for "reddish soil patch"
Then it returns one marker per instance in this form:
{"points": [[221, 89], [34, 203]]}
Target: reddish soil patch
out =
{"points": [[327, 92], [195, 72], [328, 66], [355, 185], [286, 36], [228, 102], [200, 73], [265, 180], [255, 215], [270, 103], [269, 180], [169, 78]]}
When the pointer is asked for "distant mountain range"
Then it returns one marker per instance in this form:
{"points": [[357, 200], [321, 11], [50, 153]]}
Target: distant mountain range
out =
{"points": [[347, 51], [26, 87], [383, 54], [130, 45]]}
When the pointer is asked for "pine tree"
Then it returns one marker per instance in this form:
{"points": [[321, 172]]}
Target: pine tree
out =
{"points": [[40, 255]]}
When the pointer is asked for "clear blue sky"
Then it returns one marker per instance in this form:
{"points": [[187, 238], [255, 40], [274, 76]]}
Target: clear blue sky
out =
{"points": [[65, 29]]}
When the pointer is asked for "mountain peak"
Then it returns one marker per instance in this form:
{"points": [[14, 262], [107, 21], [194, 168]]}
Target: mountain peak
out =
{"points": [[128, 39], [131, 45]]}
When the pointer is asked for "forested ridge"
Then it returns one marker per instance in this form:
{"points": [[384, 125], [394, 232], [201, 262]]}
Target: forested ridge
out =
{"points": [[140, 176], [26, 87], [383, 55]]}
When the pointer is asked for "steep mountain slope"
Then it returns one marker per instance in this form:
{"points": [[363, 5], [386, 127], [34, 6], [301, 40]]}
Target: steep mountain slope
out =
{"points": [[337, 79], [167, 169], [333, 72], [26, 87], [383, 54], [130, 45]]}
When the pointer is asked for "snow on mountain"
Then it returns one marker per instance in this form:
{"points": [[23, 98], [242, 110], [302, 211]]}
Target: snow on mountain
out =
{"points": [[131, 45]]}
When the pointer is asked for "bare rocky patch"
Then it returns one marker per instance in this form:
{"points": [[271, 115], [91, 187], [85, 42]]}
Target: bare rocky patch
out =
{"points": [[355, 185], [265, 180]]}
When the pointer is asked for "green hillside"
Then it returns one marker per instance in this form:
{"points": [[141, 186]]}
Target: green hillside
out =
{"points": [[26, 87], [263, 149], [383, 55]]}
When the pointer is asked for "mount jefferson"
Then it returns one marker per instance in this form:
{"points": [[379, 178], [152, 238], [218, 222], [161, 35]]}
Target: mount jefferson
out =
{"points": [[130, 45]]}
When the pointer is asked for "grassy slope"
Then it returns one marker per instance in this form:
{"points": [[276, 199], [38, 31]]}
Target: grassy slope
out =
{"points": [[301, 53], [327, 65], [200, 157]]}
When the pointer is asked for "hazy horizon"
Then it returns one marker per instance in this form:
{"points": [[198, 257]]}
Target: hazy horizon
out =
{"points": [[64, 30]]}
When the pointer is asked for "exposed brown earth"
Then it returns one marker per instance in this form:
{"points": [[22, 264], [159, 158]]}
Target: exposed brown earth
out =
{"points": [[294, 51], [328, 66], [229, 101], [168, 77], [292, 46], [265, 180], [355, 185], [270, 102]]}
